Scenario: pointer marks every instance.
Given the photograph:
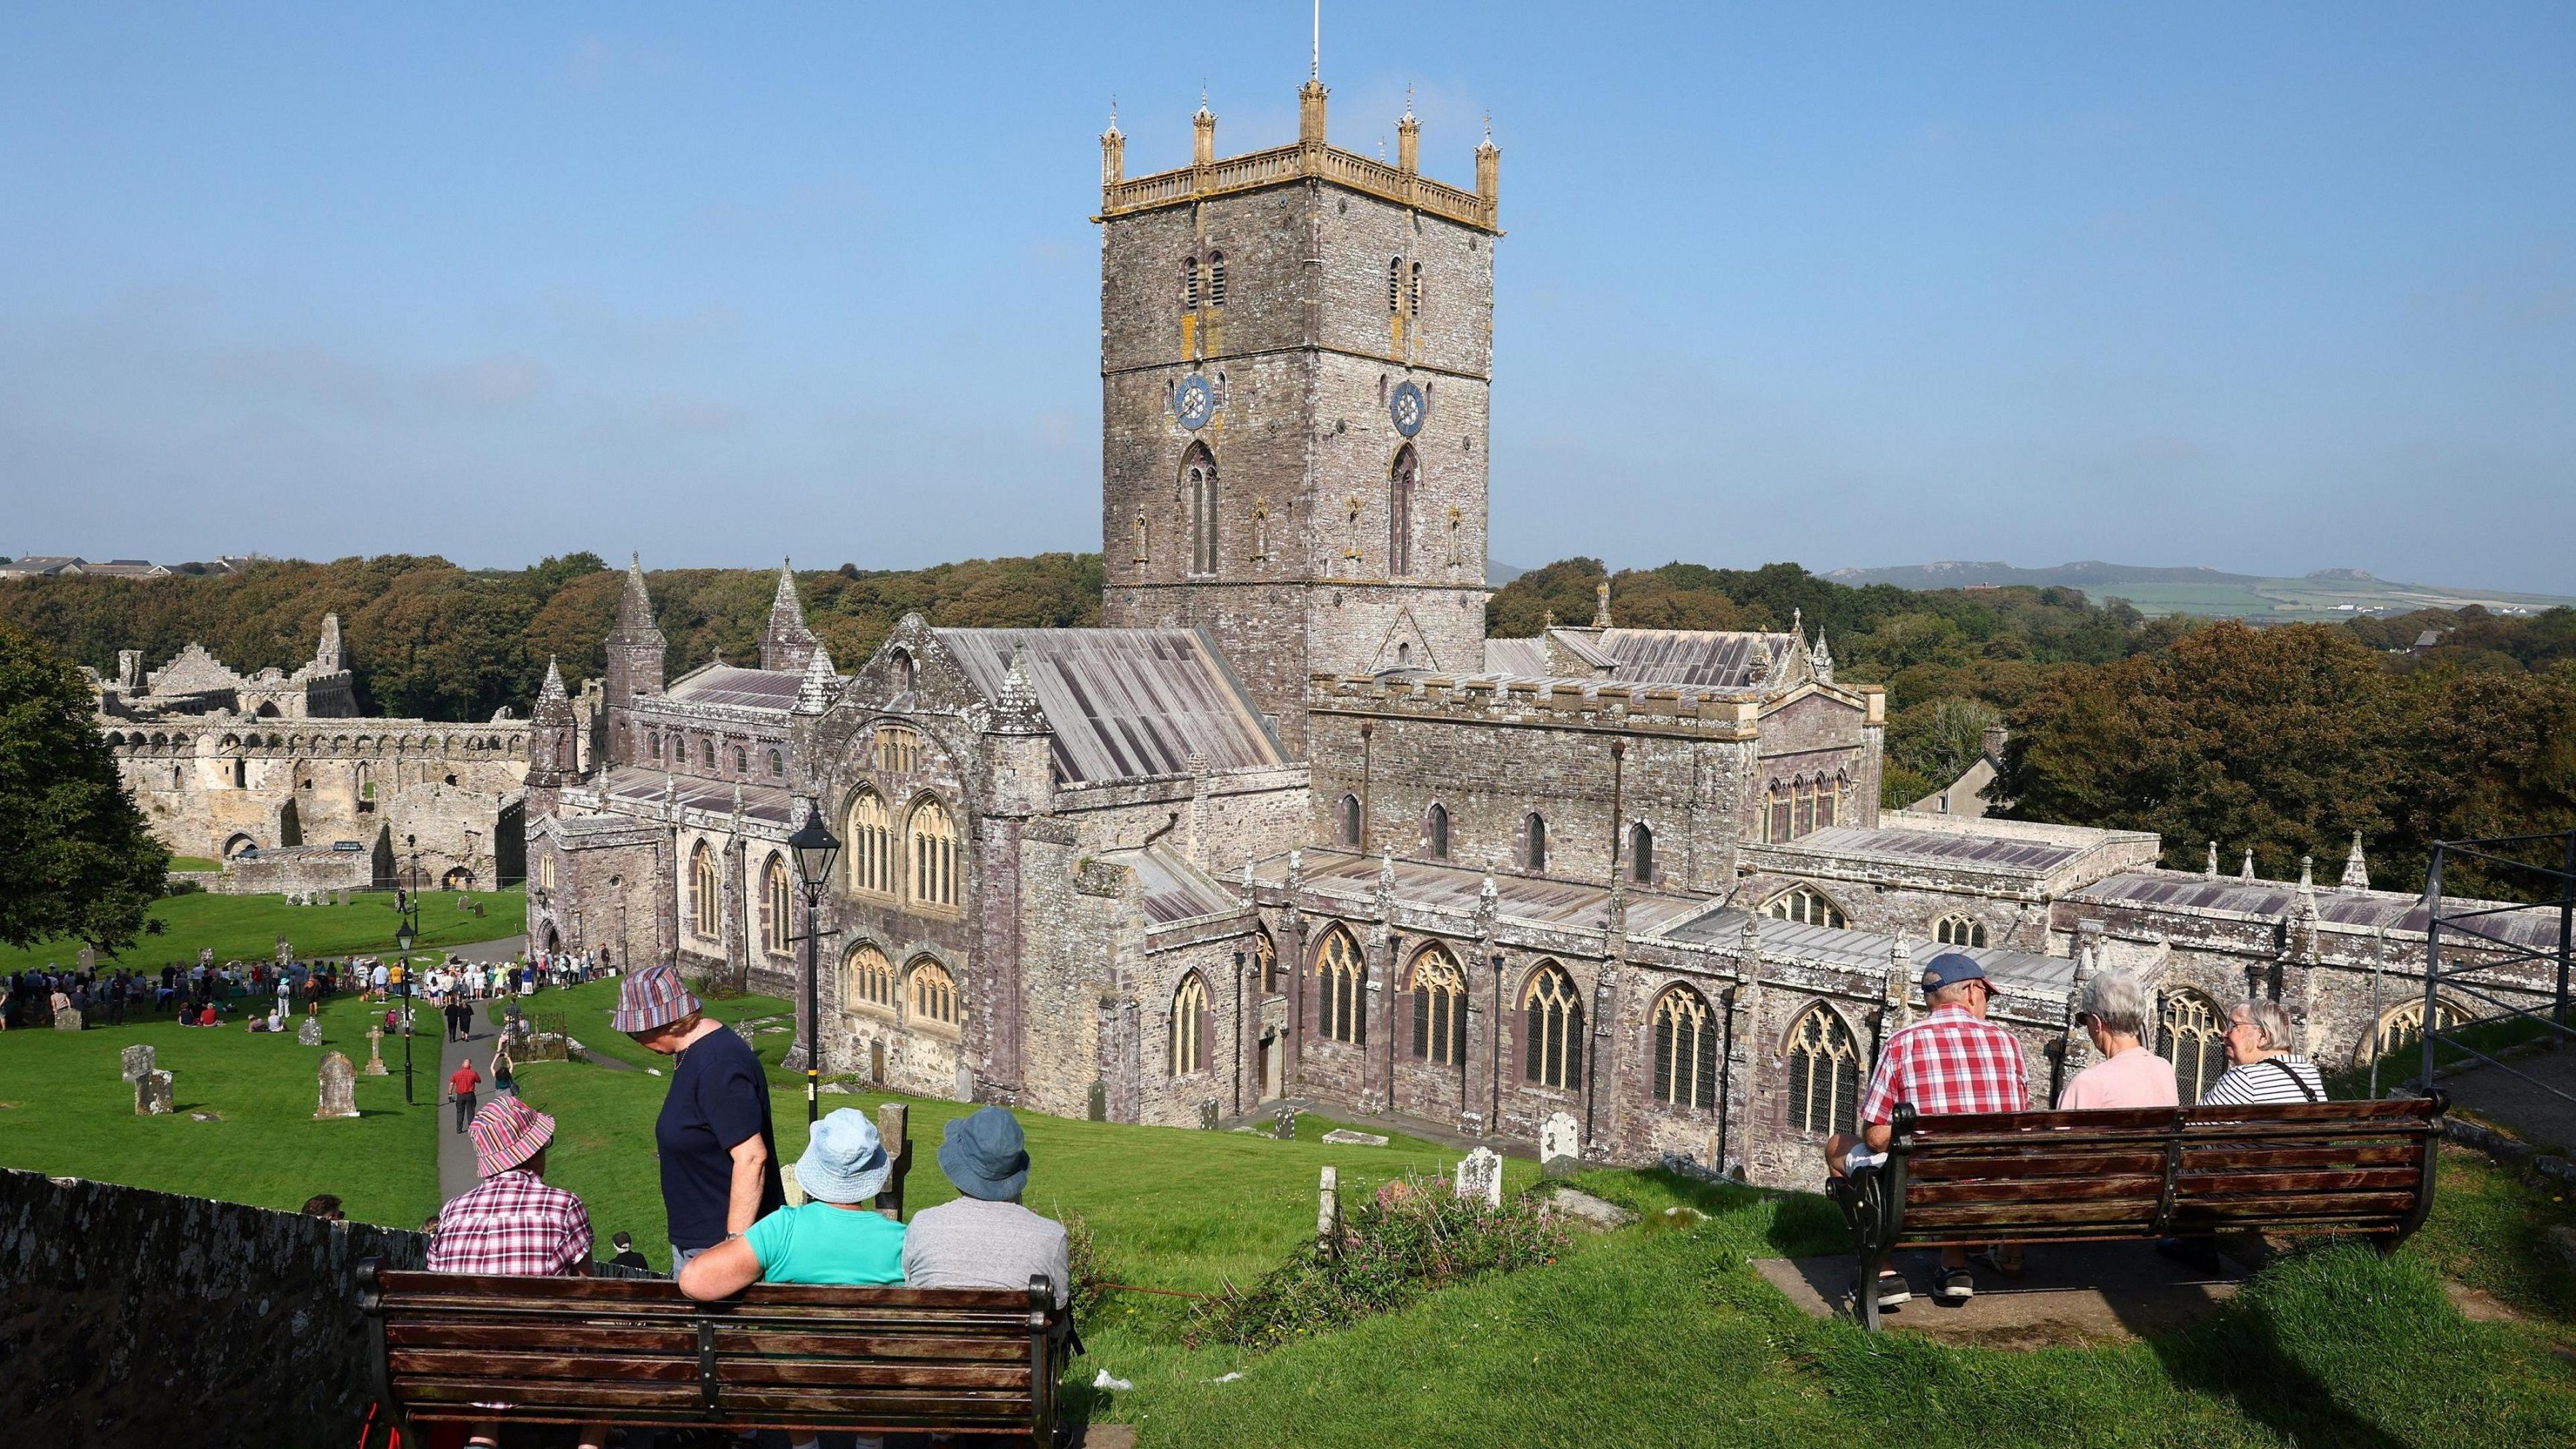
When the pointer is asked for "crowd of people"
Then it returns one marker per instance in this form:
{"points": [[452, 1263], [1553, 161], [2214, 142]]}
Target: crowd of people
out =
{"points": [[724, 1199], [1955, 1060], [266, 995]]}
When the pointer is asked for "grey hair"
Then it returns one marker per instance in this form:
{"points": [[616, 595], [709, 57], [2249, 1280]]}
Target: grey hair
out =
{"points": [[2271, 1020], [2114, 998]]}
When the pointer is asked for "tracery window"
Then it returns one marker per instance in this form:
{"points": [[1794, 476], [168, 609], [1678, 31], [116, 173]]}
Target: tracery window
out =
{"points": [[871, 848], [1265, 955], [871, 979], [1190, 1026], [2403, 1026], [1828, 795], [1435, 831], [1959, 931], [934, 993], [776, 902], [898, 750], [1824, 1073], [1807, 906], [1198, 479], [1686, 1041], [1341, 997], [706, 897], [1641, 854], [1552, 1038], [2191, 1033], [934, 854], [1439, 1008], [1401, 483], [1778, 828], [1535, 844]]}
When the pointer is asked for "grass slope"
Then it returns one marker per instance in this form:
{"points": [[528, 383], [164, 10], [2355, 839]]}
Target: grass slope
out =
{"points": [[246, 928], [68, 1112]]}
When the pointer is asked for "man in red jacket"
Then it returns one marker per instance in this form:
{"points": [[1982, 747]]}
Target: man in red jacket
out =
{"points": [[462, 1083]]}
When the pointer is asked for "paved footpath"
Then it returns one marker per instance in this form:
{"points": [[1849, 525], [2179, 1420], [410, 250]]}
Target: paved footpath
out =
{"points": [[455, 1149]]}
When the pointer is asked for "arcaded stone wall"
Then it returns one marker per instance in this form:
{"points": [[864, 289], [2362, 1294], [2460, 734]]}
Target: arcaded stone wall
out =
{"points": [[140, 1317]]}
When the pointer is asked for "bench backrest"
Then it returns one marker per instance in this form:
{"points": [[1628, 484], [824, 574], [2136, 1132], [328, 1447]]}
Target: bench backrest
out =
{"points": [[472, 1347], [2357, 1167]]}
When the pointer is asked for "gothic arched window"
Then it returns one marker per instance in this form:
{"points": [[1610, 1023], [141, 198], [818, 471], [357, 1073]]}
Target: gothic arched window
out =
{"points": [[1439, 1008], [1807, 906], [1552, 1039], [1198, 480], [1641, 853], [934, 993], [705, 895], [1824, 1073], [1189, 283], [871, 980], [1535, 846], [1401, 482], [2401, 1027], [1350, 821], [776, 901], [1191, 1026], [1686, 1033], [934, 854], [1435, 831], [871, 847], [1216, 279], [2191, 1033], [1341, 998], [1959, 931]]}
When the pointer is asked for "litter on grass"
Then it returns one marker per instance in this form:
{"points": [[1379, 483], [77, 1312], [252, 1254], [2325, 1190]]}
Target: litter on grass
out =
{"points": [[1106, 1382], [1225, 1378]]}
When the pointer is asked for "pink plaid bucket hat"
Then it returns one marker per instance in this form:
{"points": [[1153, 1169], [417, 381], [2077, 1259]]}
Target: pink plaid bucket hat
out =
{"points": [[654, 996], [506, 1133]]}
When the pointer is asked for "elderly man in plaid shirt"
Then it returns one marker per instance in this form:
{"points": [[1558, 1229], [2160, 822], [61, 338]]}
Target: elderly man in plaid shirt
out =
{"points": [[513, 1223], [1953, 1060]]}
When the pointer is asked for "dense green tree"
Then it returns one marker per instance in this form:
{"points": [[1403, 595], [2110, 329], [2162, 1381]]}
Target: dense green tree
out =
{"points": [[76, 860]]}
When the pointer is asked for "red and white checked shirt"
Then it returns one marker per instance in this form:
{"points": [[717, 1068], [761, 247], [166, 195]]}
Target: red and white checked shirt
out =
{"points": [[1948, 1062], [513, 1223]]}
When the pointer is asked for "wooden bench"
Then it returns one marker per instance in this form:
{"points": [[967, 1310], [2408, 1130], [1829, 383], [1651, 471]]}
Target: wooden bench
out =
{"points": [[2030, 1177], [466, 1348]]}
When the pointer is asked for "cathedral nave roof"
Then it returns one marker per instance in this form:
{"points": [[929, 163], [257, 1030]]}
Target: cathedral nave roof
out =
{"points": [[1124, 704]]}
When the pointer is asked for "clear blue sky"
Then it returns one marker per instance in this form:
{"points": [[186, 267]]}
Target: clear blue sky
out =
{"points": [[2268, 287]]}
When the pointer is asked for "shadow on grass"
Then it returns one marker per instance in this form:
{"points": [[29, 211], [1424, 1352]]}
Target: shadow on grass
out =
{"points": [[2251, 1355]]}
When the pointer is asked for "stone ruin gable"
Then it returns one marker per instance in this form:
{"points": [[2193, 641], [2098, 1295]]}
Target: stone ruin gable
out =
{"points": [[1493, 751], [607, 872], [452, 786], [115, 1296], [1816, 732]]}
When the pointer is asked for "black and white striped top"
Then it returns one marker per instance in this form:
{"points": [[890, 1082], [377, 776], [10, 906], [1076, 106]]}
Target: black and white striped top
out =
{"points": [[2270, 1081]]}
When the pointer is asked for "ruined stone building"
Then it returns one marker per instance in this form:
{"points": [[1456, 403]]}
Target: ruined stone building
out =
{"points": [[1290, 825], [279, 774]]}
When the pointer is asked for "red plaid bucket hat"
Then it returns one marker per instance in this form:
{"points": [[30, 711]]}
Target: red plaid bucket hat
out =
{"points": [[506, 1133], [654, 996]]}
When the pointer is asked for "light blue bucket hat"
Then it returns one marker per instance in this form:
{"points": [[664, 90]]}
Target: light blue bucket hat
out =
{"points": [[844, 1159]]}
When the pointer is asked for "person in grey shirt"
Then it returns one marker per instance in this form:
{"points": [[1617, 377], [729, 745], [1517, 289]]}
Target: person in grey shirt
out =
{"points": [[984, 1239]]}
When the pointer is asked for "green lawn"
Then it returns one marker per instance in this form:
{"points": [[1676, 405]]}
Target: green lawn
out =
{"points": [[246, 928], [64, 1110], [194, 862]]}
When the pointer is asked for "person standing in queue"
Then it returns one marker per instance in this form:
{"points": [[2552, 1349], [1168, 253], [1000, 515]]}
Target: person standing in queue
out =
{"points": [[719, 1152]]}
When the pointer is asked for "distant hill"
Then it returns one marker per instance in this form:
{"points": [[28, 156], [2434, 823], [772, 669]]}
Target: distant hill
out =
{"points": [[2324, 594], [1499, 574]]}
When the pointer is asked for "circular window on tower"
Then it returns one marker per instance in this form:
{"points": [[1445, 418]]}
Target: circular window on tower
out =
{"points": [[1195, 403], [1409, 408]]}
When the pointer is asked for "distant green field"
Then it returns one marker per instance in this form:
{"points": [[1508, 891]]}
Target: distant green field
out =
{"points": [[246, 928], [2305, 600]]}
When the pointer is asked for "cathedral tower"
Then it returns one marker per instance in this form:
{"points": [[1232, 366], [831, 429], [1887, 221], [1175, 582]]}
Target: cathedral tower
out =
{"points": [[1296, 347], [635, 650]]}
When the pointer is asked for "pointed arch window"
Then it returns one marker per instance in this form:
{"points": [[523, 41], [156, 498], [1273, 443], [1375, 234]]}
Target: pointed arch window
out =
{"points": [[1198, 480], [1189, 284], [1552, 1035], [934, 854], [1439, 1008], [1192, 1026], [1216, 279], [706, 896], [1959, 931], [1350, 821], [1341, 997], [1824, 1073], [2191, 1033], [1686, 1040], [1394, 286], [934, 994], [1413, 301], [1641, 853], [1401, 484], [1534, 842], [777, 916], [1807, 906], [1265, 954], [871, 848], [871, 980], [2401, 1027], [1435, 831]]}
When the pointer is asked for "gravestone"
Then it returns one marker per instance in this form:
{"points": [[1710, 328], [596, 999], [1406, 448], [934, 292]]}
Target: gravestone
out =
{"points": [[89, 958], [1207, 1115], [1345, 1137], [152, 1095], [1480, 1175], [136, 1063], [67, 1019], [1284, 1124], [285, 952], [1560, 1146], [310, 1033], [375, 1052], [339, 1082], [1099, 1092], [1328, 1209]]}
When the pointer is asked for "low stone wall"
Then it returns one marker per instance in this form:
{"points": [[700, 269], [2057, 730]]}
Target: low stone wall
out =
{"points": [[146, 1318]]}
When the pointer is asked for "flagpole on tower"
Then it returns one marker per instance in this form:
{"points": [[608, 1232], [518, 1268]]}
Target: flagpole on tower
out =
{"points": [[1315, 67]]}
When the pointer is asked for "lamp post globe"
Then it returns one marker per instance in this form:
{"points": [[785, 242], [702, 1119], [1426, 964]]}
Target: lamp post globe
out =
{"points": [[815, 848]]}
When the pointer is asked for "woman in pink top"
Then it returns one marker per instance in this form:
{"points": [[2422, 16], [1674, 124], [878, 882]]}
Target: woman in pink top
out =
{"points": [[2114, 1015]]}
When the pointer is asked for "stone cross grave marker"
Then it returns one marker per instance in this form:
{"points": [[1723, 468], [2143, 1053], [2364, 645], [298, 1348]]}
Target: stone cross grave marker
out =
{"points": [[339, 1087], [136, 1063], [1480, 1175], [1560, 1145], [310, 1033], [375, 1052], [152, 1095]]}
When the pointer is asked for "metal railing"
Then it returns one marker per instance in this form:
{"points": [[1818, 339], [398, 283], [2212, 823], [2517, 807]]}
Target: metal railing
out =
{"points": [[2468, 950]]}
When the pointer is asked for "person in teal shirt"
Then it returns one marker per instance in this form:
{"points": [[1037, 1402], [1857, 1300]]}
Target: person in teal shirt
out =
{"points": [[836, 1237]]}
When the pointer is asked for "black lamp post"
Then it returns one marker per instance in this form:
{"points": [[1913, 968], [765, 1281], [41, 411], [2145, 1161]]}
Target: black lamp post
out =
{"points": [[815, 848], [403, 937]]}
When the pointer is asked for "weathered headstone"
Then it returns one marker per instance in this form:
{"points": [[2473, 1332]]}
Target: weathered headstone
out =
{"points": [[1345, 1137], [310, 1033], [375, 1052], [1480, 1175], [1560, 1146], [1207, 1115], [1284, 1123], [1328, 1208], [339, 1082], [89, 958], [67, 1019], [1099, 1100], [136, 1063], [285, 951], [152, 1095]]}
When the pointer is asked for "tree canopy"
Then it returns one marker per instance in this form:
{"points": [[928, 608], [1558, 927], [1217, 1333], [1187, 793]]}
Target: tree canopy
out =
{"points": [[75, 857]]}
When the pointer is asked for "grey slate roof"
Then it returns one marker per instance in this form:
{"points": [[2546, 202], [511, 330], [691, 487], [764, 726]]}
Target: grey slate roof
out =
{"points": [[1521, 658], [1992, 852], [2394, 911], [1174, 889], [1457, 888], [726, 684], [1870, 951], [1124, 704], [1717, 659], [629, 786]]}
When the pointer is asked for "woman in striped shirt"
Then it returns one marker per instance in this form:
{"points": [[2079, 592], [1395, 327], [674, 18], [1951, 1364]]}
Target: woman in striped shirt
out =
{"points": [[2263, 1070]]}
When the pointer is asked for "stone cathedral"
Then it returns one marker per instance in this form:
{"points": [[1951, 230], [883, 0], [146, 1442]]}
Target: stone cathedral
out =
{"points": [[1291, 827]]}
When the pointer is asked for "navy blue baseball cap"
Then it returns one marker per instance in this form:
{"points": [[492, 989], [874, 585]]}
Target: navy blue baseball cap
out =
{"points": [[1949, 969]]}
